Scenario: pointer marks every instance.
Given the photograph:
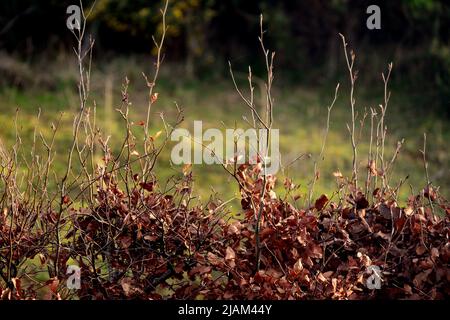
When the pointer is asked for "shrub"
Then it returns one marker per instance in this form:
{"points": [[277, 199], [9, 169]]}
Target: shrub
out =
{"points": [[134, 238]]}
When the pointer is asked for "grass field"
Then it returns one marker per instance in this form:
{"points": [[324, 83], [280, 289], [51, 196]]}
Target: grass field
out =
{"points": [[300, 114]]}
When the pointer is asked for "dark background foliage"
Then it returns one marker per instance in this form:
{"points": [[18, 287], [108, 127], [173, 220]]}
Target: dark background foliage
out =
{"points": [[206, 33]]}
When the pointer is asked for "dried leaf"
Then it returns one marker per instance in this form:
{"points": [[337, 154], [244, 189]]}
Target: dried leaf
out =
{"points": [[157, 135], [66, 199], [149, 186], [372, 168], [230, 255], [187, 169], [298, 266], [408, 211], [361, 201], [52, 284], [420, 250], [337, 174], [125, 241], [154, 97], [321, 202]]}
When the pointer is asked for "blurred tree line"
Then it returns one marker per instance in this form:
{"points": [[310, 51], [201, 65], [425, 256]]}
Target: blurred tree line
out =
{"points": [[204, 34]]}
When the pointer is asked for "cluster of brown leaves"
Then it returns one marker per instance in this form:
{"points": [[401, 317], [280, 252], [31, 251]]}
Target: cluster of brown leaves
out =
{"points": [[147, 240], [147, 243], [325, 252], [22, 239]]}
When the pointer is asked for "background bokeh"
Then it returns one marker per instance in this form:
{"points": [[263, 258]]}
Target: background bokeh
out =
{"points": [[38, 71]]}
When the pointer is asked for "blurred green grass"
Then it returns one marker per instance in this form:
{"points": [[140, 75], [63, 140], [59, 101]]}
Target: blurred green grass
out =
{"points": [[300, 114]]}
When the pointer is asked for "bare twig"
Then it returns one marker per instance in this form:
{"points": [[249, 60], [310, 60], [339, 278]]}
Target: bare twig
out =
{"points": [[353, 75]]}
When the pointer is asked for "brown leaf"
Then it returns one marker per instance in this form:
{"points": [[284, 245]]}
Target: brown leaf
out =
{"points": [[337, 174], [361, 201], [230, 255], [408, 211], [407, 288], [320, 202], [302, 238], [66, 199], [52, 283], [213, 259], [421, 278], [266, 232], [434, 253], [315, 251], [372, 168], [187, 169], [288, 184], [298, 266], [151, 237], [234, 228], [17, 284], [420, 250], [200, 270], [154, 97], [147, 186], [125, 241], [377, 192], [334, 284], [126, 285], [429, 193], [321, 277]]}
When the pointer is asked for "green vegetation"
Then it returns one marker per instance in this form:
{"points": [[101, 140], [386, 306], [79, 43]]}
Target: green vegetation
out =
{"points": [[300, 114]]}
